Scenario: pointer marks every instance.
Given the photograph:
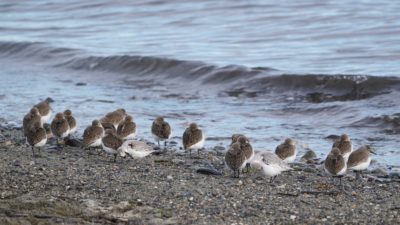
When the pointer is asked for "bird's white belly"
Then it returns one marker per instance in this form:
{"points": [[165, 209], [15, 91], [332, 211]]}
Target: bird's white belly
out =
{"points": [[362, 166], [198, 145], [41, 143]]}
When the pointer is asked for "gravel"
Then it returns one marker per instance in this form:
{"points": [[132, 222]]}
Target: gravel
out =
{"points": [[74, 186]]}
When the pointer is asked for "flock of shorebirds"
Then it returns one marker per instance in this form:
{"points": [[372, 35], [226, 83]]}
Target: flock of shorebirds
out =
{"points": [[115, 133]]}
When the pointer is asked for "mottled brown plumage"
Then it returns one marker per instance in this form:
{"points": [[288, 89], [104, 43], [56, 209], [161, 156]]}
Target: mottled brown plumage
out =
{"points": [[36, 137], [344, 145], [71, 121], [115, 118], [44, 107], [335, 163], [246, 147], [59, 126], [235, 138], [32, 119], [161, 130], [127, 129], [47, 127], [235, 159], [286, 151], [111, 142], [192, 138], [93, 134], [361, 155]]}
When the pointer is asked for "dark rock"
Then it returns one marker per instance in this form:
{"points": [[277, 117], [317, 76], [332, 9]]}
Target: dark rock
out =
{"points": [[80, 84]]}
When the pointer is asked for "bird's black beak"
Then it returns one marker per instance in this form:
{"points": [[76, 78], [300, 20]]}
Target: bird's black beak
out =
{"points": [[372, 152]]}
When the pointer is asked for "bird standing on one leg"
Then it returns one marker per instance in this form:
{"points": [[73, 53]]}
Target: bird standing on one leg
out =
{"points": [[161, 131], [193, 138]]}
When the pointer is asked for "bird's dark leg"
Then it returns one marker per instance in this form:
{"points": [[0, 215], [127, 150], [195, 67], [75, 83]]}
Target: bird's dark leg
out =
{"points": [[238, 173], [357, 175], [198, 152], [158, 141], [115, 157], [247, 167], [165, 145], [33, 151], [272, 179]]}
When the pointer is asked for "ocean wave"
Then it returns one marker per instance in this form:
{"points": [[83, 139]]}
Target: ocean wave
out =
{"points": [[389, 123], [234, 80]]}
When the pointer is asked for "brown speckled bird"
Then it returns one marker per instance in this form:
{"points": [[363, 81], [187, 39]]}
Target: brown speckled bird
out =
{"points": [[111, 142], [115, 118], [335, 164], [71, 121], [161, 131], [59, 126], [92, 135], [127, 129], [193, 138], [344, 145], [36, 137], [286, 151], [246, 147], [360, 159], [44, 109], [235, 159], [31, 120]]}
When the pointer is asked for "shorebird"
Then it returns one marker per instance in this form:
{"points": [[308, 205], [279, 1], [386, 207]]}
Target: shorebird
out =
{"points": [[47, 127], [335, 164], [59, 126], [235, 159], [344, 145], [127, 129], [270, 164], [161, 131], [44, 109], [286, 151], [135, 149], [246, 147], [36, 137], [93, 134], [235, 138], [111, 142], [32, 119], [193, 138], [115, 118], [360, 159], [71, 121]]}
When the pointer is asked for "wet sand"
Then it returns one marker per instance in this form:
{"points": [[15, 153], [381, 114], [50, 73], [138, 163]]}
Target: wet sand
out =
{"points": [[74, 186]]}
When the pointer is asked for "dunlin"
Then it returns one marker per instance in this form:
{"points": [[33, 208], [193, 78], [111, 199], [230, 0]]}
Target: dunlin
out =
{"points": [[235, 138], [32, 119], [286, 151], [235, 159], [93, 134], [71, 121], [193, 138], [47, 127], [335, 164], [344, 145], [161, 131], [36, 137], [246, 147], [270, 164], [127, 129], [360, 159], [45, 109], [115, 118], [59, 126], [111, 142], [135, 149]]}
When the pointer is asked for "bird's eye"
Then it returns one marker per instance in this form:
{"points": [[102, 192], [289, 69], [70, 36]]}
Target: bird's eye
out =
{"points": [[130, 145]]}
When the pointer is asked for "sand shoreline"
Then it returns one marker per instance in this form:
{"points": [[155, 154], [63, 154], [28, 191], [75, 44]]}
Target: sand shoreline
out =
{"points": [[75, 187]]}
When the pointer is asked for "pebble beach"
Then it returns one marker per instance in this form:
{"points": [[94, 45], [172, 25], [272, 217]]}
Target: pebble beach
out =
{"points": [[76, 186]]}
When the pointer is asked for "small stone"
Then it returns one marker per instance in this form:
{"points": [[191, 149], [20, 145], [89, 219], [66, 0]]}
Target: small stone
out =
{"points": [[240, 182], [31, 163], [394, 175], [380, 171], [309, 170], [292, 217], [17, 163], [7, 143], [169, 177], [191, 199]]}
